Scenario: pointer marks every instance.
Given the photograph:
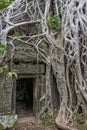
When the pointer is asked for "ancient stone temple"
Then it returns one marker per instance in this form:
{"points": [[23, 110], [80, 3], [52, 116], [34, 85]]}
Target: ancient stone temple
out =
{"points": [[28, 54], [35, 88]]}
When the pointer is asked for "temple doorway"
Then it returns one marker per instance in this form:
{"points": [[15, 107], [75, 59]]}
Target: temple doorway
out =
{"points": [[24, 96]]}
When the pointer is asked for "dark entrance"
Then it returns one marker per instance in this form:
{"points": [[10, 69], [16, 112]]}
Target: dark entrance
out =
{"points": [[24, 96]]}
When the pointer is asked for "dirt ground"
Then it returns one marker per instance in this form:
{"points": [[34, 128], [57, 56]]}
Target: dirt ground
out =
{"points": [[27, 120], [31, 123]]}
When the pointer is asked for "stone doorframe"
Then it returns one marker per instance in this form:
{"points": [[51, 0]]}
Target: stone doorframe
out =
{"points": [[35, 93]]}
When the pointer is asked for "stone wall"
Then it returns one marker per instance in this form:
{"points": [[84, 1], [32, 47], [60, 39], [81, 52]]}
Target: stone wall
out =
{"points": [[28, 53], [31, 71], [29, 68], [25, 64], [5, 94]]}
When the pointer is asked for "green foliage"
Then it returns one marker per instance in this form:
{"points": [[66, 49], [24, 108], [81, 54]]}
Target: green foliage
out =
{"points": [[1, 127], [16, 34], [5, 3], [48, 119], [15, 124], [12, 73], [3, 69], [2, 48], [54, 23], [79, 121], [8, 121]]}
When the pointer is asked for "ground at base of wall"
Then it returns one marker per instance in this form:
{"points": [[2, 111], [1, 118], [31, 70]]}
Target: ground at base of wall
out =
{"points": [[31, 123]]}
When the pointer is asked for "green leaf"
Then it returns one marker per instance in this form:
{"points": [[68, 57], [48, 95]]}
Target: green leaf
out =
{"points": [[3, 68], [12, 73]]}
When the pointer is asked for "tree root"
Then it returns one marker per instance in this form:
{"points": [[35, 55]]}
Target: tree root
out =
{"points": [[62, 126]]}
